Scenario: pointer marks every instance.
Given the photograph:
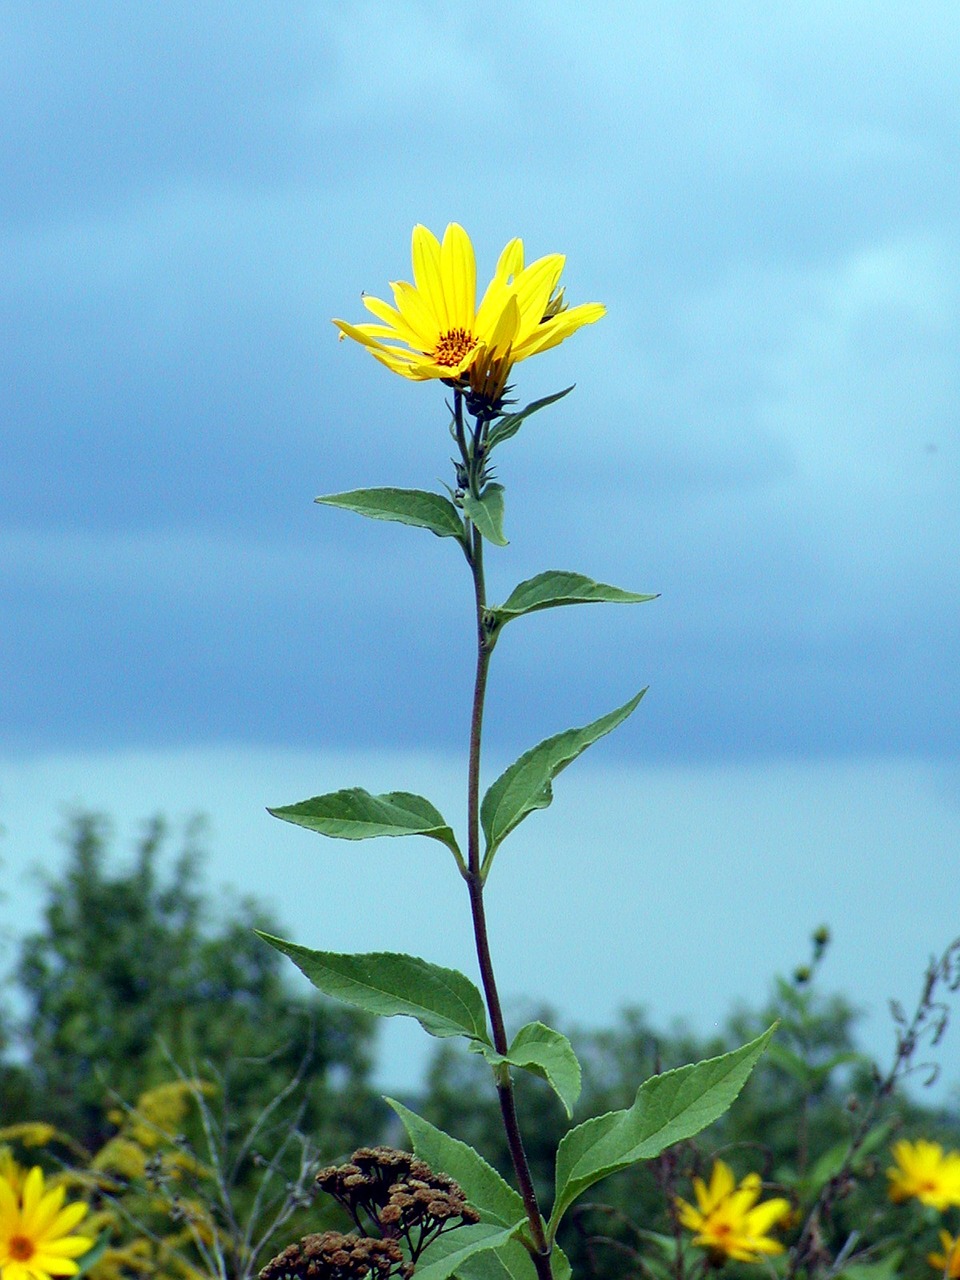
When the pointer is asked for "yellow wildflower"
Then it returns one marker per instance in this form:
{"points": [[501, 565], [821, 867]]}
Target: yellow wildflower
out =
{"points": [[444, 334], [35, 1231], [925, 1172], [948, 1262], [728, 1221]]}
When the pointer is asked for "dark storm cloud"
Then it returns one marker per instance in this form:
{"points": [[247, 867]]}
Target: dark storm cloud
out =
{"points": [[764, 427]]}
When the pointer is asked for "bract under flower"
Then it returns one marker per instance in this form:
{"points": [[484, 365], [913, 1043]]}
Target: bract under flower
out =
{"points": [[727, 1220], [436, 330]]}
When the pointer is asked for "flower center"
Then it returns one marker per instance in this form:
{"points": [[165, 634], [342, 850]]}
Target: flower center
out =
{"points": [[453, 345], [20, 1248]]}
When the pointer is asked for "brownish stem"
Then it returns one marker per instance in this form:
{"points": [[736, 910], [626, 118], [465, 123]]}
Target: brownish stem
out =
{"points": [[505, 1090]]}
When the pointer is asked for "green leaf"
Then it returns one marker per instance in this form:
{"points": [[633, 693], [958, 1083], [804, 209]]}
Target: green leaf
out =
{"points": [[408, 506], [526, 784], [486, 512], [833, 1160], [554, 588], [548, 1054], [493, 1198], [560, 1264], [444, 1001], [888, 1268], [448, 1252], [510, 423], [668, 1108], [510, 1262], [354, 814]]}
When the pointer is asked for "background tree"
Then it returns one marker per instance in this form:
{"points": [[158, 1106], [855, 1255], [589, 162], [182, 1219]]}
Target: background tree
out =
{"points": [[131, 976]]}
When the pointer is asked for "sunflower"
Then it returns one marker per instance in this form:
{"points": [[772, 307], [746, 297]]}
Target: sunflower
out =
{"points": [[728, 1221], [35, 1231], [441, 331], [924, 1171]]}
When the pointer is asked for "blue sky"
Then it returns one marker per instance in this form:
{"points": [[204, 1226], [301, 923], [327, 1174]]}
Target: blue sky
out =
{"points": [[764, 430]]}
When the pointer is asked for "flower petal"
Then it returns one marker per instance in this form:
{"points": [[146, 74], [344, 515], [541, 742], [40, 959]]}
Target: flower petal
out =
{"points": [[704, 1197], [420, 314], [65, 1221], [66, 1247], [553, 331], [688, 1215], [533, 287], [767, 1215], [427, 275], [361, 333], [32, 1193], [391, 317], [505, 330], [500, 287], [722, 1182], [458, 269], [49, 1264]]}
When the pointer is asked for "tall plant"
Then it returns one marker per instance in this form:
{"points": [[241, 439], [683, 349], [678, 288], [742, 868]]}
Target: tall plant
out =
{"points": [[436, 331]]}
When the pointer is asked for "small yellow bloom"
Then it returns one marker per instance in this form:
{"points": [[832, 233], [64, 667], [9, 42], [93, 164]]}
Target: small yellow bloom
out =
{"points": [[728, 1221], [35, 1231], [443, 333], [925, 1172], [948, 1262]]}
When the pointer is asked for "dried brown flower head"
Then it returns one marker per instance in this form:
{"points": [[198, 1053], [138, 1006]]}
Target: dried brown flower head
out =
{"points": [[332, 1255], [395, 1195]]}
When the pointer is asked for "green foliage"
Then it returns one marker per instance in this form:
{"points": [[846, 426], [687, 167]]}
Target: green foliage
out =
{"points": [[448, 1253], [496, 1201], [443, 1001], [526, 784], [548, 1054], [775, 1126], [129, 974], [508, 424], [668, 1109], [486, 512], [354, 814], [511, 1261], [407, 506], [554, 588]]}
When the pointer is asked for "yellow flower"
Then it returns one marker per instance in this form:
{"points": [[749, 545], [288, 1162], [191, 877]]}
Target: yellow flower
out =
{"points": [[444, 334], [728, 1221], [926, 1173], [948, 1262], [35, 1231]]}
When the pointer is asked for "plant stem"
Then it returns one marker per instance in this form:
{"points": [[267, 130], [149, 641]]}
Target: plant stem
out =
{"points": [[505, 1090]]}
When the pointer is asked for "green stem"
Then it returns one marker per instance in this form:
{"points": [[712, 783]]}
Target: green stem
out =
{"points": [[505, 1090]]}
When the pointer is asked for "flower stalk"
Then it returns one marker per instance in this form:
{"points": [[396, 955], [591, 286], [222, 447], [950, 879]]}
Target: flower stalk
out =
{"points": [[472, 456]]}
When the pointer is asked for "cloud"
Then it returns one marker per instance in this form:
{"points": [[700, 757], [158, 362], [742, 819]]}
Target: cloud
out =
{"points": [[764, 426]]}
